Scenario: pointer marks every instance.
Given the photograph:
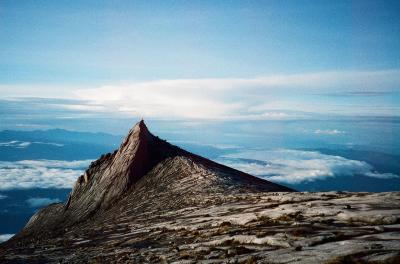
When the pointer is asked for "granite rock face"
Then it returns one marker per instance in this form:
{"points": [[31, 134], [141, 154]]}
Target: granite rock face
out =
{"points": [[152, 202]]}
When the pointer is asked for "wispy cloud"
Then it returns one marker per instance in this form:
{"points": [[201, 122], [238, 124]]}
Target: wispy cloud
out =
{"points": [[271, 97], [295, 166], [15, 144], [40, 202], [231, 98], [27, 174], [378, 175], [329, 131], [25, 144]]}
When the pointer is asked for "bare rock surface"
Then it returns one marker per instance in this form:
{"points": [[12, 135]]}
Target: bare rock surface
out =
{"points": [[151, 202]]}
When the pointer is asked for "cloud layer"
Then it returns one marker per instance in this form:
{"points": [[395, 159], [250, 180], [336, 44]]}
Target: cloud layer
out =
{"points": [[27, 174], [271, 97], [40, 202], [25, 144], [232, 98], [5, 237], [329, 131], [295, 166]]}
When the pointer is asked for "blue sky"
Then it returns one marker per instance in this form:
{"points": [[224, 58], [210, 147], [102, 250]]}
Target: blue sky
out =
{"points": [[220, 60]]}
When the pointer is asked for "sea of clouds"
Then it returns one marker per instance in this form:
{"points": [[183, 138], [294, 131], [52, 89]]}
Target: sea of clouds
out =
{"points": [[280, 165], [27, 174], [297, 166], [5, 237], [41, 201]]}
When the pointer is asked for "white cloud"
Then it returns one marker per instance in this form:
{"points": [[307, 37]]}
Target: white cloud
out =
{"points": [[25, 144], [80, 107], [270, 97], [329, 131], [161, 99], [40, 202], [237, 98], [295, 166], [48, 143], [15, 144], [378, 175], [40, 173], [5, 237]]}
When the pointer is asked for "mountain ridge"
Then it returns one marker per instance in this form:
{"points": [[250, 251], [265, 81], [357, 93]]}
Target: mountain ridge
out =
{"points": [[153, 202], [118, 175]]}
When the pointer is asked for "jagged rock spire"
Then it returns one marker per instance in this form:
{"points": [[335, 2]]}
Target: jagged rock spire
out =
{"points": [[139, 132], [112, 175]]}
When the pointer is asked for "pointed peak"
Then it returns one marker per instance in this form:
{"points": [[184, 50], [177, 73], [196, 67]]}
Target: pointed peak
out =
{"points": [[139, 132], [141, 123], [141, 126]]}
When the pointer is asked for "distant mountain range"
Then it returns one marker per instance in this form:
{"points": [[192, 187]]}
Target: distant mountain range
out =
{"points": [[46, 144]]}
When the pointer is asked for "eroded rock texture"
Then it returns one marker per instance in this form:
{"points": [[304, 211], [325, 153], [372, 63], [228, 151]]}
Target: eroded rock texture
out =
{"points": [[154, 202]]}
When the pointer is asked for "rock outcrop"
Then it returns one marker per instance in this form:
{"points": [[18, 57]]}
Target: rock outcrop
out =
{"points": [[153, 202], [143, 155], [144, 164]]}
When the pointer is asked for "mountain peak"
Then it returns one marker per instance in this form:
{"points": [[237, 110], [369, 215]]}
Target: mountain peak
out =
{"points": [[152, 202], [111, 176], [139, 132], [145, 166], [141, 126]]}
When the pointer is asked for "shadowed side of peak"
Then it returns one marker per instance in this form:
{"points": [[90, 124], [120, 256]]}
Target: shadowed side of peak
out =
{"points": [[139, 132], [134, 158], [109, 178]]}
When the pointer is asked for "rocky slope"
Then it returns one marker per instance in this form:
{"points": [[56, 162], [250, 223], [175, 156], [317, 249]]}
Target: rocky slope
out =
{"points": [[150, 201]]}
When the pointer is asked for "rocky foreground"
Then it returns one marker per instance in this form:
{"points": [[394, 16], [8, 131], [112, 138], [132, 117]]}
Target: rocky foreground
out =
{"points": [[151, 202], [243, 228]]}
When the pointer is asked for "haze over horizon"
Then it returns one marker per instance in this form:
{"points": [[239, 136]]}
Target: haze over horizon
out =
{"points": [[197, 60]]}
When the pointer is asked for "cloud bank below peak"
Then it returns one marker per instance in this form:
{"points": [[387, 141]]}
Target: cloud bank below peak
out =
{"points": [[5, 237], [40, 202], [296, 166], [26, 174], [25, 144], [329, 131]]}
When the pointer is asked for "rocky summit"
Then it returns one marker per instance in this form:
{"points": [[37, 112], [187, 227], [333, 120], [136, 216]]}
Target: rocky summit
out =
{"points": [[152, 202]]}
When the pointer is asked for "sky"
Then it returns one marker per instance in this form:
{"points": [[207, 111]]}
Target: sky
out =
{"points": [[302, 93], [199, 60]]}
